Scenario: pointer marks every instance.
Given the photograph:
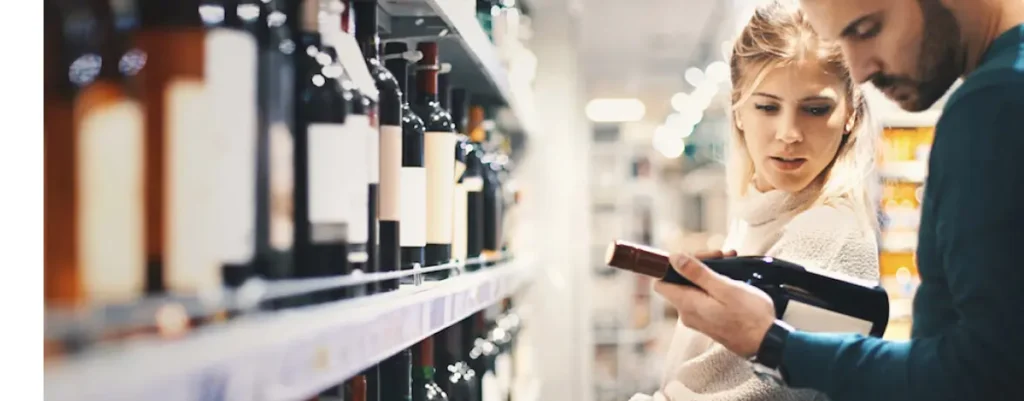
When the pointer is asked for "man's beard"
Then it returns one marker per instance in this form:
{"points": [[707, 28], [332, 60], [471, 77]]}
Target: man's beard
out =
{"points": [[938, 62]]}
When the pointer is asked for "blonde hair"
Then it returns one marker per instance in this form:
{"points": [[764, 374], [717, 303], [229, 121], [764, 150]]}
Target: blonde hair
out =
{"points": [[778, 35]]}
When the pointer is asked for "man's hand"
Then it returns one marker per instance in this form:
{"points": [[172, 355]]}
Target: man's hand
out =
{"points": [[732, 313]]}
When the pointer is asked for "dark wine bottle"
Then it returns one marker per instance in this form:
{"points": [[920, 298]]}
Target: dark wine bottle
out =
{"points": [[469, 224], [482, 356], [231, 76], [390, 139], [181, 159], [275, 144], [439, 149], [456, 377], [413, 231], [424, 388], [323, 214], [807, 300]]}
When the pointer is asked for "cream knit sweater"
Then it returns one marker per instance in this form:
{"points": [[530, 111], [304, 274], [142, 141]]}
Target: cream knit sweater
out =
{"points": [[822, 237]]}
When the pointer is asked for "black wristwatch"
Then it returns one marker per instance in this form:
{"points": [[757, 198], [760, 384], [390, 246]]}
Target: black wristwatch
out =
{"points": [[769, 356]]}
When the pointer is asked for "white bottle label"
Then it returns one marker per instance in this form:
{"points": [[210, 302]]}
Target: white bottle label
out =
{"points": [[473, 184], [390, 173], [489, 387], [503, 371], [439, 151], [814, 319], [192, 263], [413, 229], [231, 83], [282, 186], [337, 178], [110, 204]]}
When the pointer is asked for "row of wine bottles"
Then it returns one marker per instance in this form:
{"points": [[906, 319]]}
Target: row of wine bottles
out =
{"points": [[470, 361], [192, 144]]}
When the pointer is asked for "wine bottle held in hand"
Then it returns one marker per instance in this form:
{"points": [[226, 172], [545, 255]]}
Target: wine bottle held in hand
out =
{"points": [[807, 300]]}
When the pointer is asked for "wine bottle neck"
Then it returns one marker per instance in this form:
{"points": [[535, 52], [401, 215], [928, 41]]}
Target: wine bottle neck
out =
{"points": [[426, 85], [178, 13], [399, 67], [366, 27]]}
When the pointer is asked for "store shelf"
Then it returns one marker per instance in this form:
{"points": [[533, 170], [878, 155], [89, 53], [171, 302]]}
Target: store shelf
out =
{"points": [[284, 355], [910, 171], [462, 43]]}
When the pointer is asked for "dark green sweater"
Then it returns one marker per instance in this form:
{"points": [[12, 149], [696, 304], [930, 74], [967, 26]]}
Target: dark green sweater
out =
{"points": [[968, 335]]}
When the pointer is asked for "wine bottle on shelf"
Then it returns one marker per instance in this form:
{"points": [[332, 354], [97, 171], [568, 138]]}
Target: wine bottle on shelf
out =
{"points": [[482, 356], [807, 300], [275, 147], [492, 190], [325, 233], [231, 76], [459, 225], [456, 377], [389, 139], [469, 222], [93, 157], [181, 160], [424, 387], [439, 151], [413, 208], [360, 124]]}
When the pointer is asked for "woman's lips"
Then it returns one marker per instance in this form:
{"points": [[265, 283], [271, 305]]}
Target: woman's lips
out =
{"points": [[787, 163]]}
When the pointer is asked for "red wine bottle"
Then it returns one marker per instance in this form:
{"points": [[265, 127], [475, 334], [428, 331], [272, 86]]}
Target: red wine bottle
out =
{"points": [[424, 387], [413, 231], [275, 147], [439, 152], [389, 139], [181, 159], [470, 213], [808, 300], [323, 214], [93, 235], [231, 62], [455, 376]]}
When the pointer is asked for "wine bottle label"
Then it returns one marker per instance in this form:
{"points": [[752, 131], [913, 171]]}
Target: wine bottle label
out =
{"points": [[489, 387], [192, 264], [338, 191], [413, 229], [230, 68], [439, 150], [390, 173], [110, 209], [360, 125], [282, 186], [814, 319], [503, 373], [460, 224], [473, 184]]}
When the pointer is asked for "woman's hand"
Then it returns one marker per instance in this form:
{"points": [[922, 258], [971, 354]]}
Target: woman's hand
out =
{"points": [[732, 313]]}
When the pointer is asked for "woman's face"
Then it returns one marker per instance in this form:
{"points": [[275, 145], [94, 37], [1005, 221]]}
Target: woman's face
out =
{"points": [[793, 124]]}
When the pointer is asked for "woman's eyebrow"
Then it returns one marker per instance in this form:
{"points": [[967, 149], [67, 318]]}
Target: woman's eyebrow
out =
{"points": [[769, 95]]}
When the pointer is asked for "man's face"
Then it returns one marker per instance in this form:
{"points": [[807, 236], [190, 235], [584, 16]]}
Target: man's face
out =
{"points": [[908, 49]]}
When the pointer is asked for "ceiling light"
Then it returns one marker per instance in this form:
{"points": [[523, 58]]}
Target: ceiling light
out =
{"points": [[680, 101], [694, 76], [606, 110], [717, 72]]}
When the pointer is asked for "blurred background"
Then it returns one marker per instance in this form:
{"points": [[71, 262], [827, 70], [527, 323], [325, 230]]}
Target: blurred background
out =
{"points": [[602, 120]]}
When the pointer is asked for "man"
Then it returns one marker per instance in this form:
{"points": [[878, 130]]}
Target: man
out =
{"points": [[968, 335]]}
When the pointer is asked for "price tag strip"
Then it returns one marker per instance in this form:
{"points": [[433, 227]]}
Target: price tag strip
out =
{"points": [[284, 355]]}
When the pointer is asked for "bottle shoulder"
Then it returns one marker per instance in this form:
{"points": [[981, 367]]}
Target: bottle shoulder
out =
{"points": [[386, 82], [410, 121], [434, 117]]}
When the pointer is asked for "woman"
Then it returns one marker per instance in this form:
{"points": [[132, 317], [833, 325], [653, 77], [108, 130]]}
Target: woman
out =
{"points": [[800, 161]]}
